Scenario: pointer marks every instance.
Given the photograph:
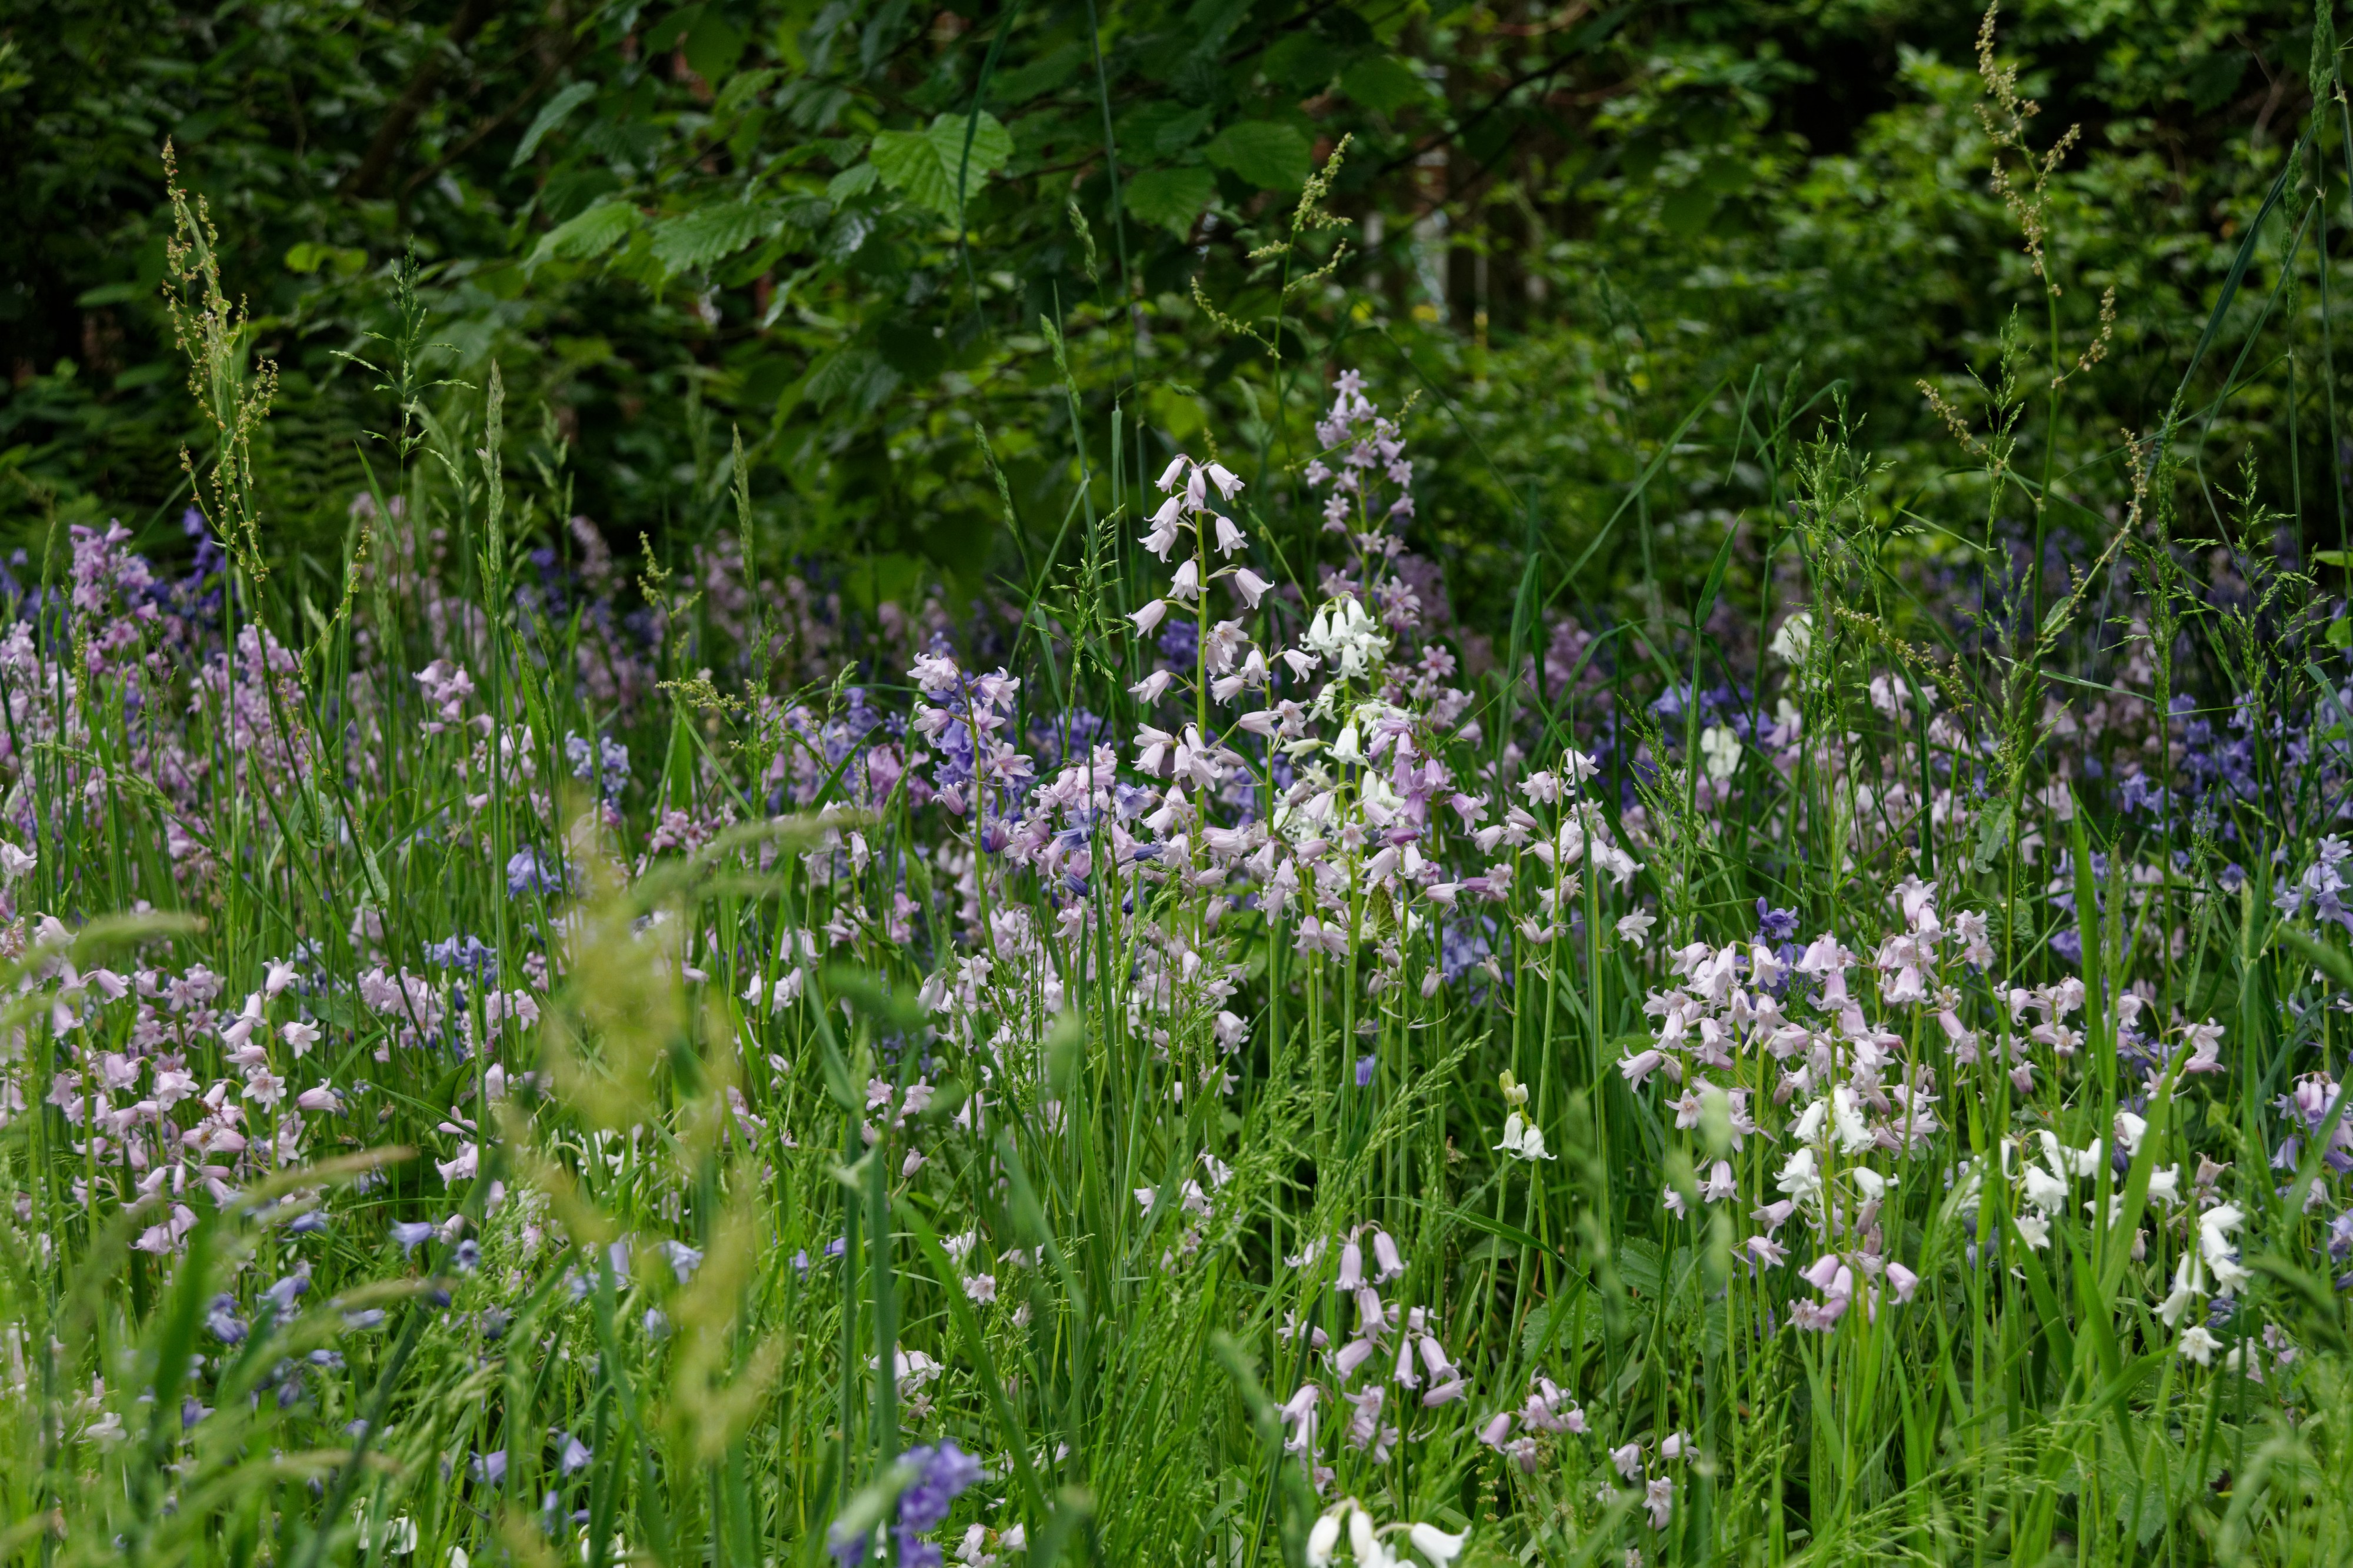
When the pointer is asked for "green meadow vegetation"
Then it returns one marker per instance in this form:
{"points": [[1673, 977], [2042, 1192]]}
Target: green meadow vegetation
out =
{"points": [[1200, 783]]}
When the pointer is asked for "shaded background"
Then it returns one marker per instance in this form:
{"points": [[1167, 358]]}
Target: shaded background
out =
{"points": [[1571, 226]]}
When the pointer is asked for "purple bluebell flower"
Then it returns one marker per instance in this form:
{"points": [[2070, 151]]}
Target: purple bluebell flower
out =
{"points": [[1775, 925], [527, 872], [574, 1456], [490, 1468], [310, 1222], [1466, 945], [1365, 1065], [469, 1256], [410, 1233], [222, 1319], [366, 1318], [1180, 644], [470, 953], [281, 1295], [605, 756], [942, 1474]]}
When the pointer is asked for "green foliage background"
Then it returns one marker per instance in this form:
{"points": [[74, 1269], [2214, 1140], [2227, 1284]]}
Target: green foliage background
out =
{"points": [[1569, 224]]}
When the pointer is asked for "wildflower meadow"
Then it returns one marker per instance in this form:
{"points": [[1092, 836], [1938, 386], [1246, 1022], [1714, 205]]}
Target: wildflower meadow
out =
{"points": [[1341, 966]]}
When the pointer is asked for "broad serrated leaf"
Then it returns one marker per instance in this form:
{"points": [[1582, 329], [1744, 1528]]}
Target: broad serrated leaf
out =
{"points": [[1169, 198], [1159, 129], [924, 165], [858, 374], [712, 47], [551, 114], [589, 233], [1269, 154], [710, 234], [1383, 83]]}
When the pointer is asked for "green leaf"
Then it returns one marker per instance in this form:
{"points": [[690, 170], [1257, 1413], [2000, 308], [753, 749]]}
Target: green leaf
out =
{"points": [[672, 30], [1169, 198], [2339, 634], [698, 238], [855, 373], [591, 233], [1686, 212], [1714, 583], [922, 165], [854, 181], [712, 47], [308, 258], [1641, 1265], [551, 114], [1383, 84], [1269, 154], [1300, 63], [1161, 129], [1993, 837]]}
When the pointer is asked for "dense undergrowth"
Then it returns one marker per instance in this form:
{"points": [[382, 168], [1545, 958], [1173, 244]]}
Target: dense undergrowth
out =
{"points": [[538, 1056]]}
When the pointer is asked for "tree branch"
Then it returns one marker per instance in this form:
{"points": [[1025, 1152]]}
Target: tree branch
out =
{"points": [[394, 132]]}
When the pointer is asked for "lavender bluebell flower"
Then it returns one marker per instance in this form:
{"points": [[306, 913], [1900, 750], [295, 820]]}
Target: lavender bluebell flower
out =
{"points": [[1180, 644], [1365, 1065], [410, 1233], [605, 756], [281, 1295], [470, 953], [1463, 946], [527, 872], [942, 1474], [222, 1319]]}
